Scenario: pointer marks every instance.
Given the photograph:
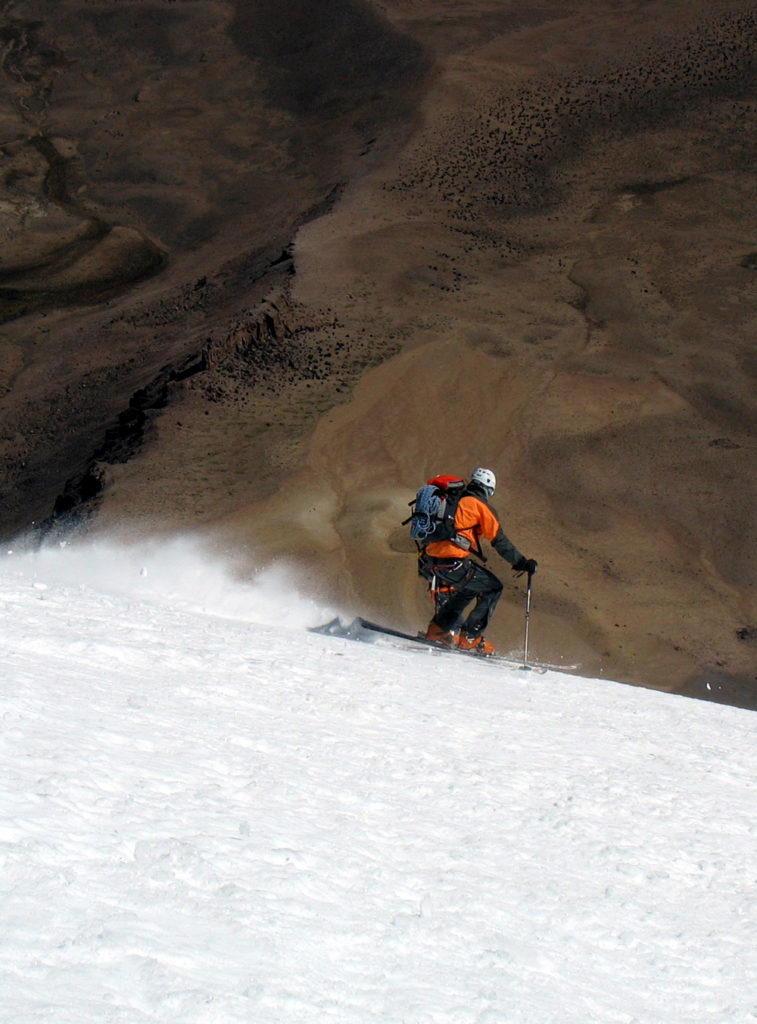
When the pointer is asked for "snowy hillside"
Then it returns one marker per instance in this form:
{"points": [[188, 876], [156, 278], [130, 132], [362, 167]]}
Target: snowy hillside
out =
{"points": [[206, 820]]}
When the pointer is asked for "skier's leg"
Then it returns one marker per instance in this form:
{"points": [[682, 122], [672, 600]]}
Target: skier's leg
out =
{"points": [[452, 597], [487, 589]]}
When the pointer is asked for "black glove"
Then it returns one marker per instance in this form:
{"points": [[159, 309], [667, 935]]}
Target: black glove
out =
{"points": [[525, 565]]}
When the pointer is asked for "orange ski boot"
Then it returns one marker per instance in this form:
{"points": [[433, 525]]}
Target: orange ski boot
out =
{"points": [[475, 645], [436, 635]]}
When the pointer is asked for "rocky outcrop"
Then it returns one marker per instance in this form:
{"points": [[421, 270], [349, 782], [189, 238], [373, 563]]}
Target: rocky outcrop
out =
{"points": [[271, 348]]}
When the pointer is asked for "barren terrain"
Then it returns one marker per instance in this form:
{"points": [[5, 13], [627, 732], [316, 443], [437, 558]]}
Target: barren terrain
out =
{"points": [[266, 267]]}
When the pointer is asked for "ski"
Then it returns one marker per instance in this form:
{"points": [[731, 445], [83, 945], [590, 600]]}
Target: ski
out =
{"points": [[367, 632]]}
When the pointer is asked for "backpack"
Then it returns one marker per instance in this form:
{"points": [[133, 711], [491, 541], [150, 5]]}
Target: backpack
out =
{"points": [[434, 508]]}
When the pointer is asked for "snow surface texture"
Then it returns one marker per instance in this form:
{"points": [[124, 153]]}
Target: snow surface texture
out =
{"points": [[205, 819]]}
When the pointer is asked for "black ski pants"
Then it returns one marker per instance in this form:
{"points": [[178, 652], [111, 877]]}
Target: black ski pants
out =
{"points": [[455, 585]]}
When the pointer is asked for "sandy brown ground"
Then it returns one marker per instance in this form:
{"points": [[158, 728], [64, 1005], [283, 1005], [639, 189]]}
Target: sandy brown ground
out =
{"points": [[550, 268]]}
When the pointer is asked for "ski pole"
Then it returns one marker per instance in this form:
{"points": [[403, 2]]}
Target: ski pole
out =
{"points": [[528, 616]]}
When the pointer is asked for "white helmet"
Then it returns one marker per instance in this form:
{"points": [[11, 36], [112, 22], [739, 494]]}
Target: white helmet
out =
{"points": [[485, 479]]}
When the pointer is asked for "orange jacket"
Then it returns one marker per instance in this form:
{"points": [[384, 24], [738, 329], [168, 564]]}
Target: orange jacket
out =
{"points": [[474, 519]]}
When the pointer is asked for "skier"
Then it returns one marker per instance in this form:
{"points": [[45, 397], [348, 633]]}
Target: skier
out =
{"points": [[456, 579]]}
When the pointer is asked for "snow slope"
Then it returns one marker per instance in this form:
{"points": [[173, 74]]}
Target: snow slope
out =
{"points": [[207, 820]]}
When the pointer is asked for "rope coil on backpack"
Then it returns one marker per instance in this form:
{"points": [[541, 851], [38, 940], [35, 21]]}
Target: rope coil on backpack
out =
{"points": [[424, 523], [433, 515]]}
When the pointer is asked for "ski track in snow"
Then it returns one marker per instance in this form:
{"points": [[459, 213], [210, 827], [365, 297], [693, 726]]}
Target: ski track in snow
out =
{"points": [[206, 819]]}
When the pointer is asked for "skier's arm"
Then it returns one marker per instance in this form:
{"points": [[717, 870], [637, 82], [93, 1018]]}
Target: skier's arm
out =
{"points": [[503, 545], [506, 548], [476, 518]]}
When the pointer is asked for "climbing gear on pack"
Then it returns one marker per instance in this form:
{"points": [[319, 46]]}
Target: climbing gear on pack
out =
{"points": [[434, 508], [433, 511]]}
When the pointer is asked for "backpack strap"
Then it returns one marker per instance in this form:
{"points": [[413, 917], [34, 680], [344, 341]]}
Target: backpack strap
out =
{"points": [[477, 552]]}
